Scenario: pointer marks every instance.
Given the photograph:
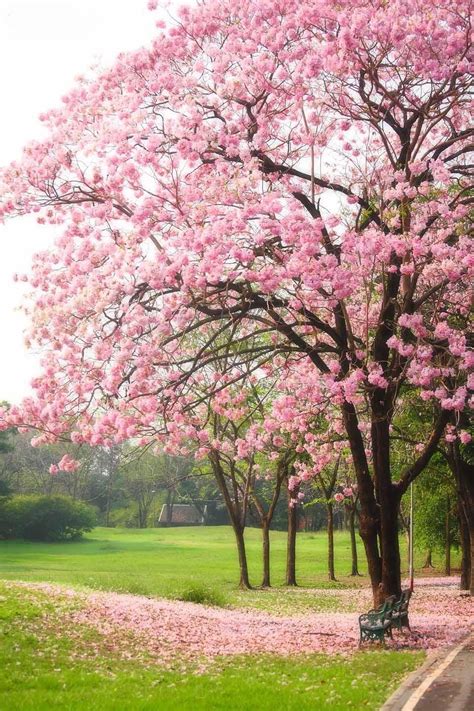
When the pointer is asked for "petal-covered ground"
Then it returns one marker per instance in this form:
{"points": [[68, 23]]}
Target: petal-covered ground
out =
{"points": [[166, 629]]}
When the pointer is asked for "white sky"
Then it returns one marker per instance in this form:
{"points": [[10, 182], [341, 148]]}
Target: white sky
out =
{"points": [[44, 44]]}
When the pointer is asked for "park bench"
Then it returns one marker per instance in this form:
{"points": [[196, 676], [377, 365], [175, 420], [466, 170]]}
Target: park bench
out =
{"points": [[400, 610], [377, 623]]}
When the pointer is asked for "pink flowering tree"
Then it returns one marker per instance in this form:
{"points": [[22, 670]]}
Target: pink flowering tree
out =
{"points": [[250, 452], [293, 176]]}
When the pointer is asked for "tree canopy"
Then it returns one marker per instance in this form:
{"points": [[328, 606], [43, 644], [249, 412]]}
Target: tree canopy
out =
{"points": [[272, 189]]}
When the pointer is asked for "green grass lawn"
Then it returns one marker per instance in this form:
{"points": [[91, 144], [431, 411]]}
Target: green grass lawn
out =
{"points": [[172, 562], [45, 665]]}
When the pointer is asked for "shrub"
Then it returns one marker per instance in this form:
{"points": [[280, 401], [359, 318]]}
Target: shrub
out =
{"points": [[44, 518], [202, 596]]}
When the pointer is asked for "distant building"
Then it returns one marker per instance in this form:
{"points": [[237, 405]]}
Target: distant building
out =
{"points": [[182, 515]]}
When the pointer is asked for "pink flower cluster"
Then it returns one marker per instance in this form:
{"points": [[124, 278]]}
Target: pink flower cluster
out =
{"points": [[194, 260], [66, 464]]}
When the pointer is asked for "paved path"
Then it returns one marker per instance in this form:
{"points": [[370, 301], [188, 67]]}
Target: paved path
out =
{"points": [[445, 683]]}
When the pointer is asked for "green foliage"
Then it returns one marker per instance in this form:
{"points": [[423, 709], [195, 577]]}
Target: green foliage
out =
{"points": [[5, 445], [5, 448], [203, 596], [44, 518], [5, 488], [435, 498], [124, 517]]}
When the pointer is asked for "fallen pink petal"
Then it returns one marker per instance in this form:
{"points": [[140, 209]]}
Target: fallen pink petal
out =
{"points": [[168, 629]]}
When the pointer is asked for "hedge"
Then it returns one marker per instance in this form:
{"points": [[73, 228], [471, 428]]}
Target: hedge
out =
{"points": [[44, 518]]}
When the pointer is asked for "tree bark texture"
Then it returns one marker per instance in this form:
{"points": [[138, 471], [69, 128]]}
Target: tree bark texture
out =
{"points": [[447, 539], [266, 582], [465, 549], [354, 560], [330, 530]]}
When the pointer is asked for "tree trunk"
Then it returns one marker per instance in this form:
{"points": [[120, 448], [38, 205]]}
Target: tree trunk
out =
{"points": [[237, 517], [355, 567], [369, 513], [266, 553], [266, 518], [447, 540], [464, 475], [429, 559], [390, 548], [244, 581], [388, 500], [465, 549], [471, 584], [291, 543], [330, 530], [380, 498]]}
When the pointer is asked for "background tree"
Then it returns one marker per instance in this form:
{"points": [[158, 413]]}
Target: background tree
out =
{"points": [[5, 446], [327, 483], [436, 520]]}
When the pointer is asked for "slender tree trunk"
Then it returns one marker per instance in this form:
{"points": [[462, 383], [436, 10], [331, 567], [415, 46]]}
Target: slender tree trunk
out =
{"points": [[244, 581], [266, 518], [266, 553], [330, 531], [429, 559], [465, 550], [237, 518], [447, 540], [291, 543], [355, 567]]}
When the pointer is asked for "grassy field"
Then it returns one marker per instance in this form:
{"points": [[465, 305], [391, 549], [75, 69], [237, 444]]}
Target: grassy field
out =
{"points": [[46, 665], [177, 561]]}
